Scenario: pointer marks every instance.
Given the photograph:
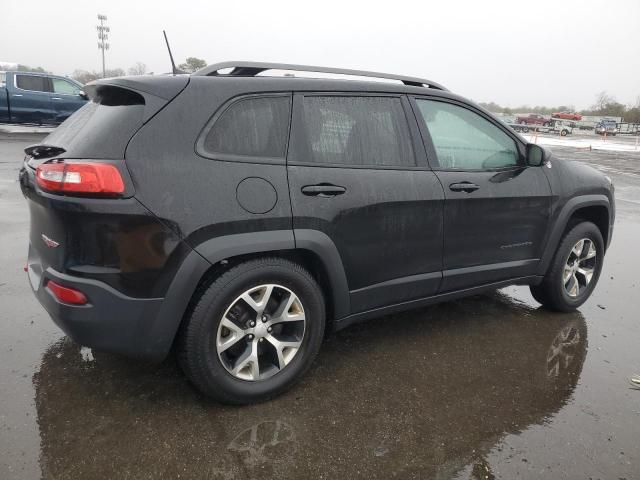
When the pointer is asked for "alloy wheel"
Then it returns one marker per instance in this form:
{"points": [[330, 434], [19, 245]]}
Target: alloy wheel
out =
{"points": [[261, 332], [579, 267]]}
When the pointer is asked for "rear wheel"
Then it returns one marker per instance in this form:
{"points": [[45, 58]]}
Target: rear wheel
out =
{"points": [[253, 332], [574, 271]]}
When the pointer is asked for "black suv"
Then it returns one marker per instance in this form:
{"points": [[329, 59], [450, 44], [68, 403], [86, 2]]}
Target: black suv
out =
{"points": [[237, 216]]}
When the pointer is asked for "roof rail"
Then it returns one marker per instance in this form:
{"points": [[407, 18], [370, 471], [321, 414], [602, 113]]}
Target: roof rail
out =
{"points": [[251, 69]]}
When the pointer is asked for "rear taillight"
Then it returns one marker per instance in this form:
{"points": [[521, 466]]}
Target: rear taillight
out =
{"points": [[90, 178], [66, 294]]}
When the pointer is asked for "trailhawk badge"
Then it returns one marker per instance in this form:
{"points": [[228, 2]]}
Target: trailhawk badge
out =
{"points": [[49, 242]]}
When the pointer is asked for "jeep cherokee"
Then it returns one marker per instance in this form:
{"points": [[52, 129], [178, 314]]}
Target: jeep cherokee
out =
{"points": [[234, 216]]}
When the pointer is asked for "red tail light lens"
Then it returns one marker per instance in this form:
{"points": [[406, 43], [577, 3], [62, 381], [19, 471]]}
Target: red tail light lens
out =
{"points": [[67, 295], [92, 178]]}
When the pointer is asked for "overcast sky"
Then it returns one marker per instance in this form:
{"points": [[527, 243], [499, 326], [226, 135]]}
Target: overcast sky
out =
{"points": [[513, 52]]}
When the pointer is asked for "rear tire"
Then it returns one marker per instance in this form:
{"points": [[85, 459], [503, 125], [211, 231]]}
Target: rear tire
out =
{"points": [[231, 310], [572, 276]]}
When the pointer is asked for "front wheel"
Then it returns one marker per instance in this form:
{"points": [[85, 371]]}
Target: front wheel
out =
{"points": [[574, 271], [253, 332]]}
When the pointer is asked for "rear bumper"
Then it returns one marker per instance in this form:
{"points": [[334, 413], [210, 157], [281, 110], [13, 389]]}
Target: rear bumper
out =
{"points": [[110, 322]]}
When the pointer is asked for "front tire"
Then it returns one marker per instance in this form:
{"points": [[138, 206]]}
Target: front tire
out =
{"points": [[253, 332], [574, 271]]}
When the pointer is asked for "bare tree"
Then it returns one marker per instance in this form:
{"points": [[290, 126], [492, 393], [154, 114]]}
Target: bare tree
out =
{"points": [[138, 69], [602, 100], [84, 77], [114, 72], [21, 68], [192, 64]]}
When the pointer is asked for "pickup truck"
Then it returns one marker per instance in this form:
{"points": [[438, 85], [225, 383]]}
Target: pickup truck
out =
{"points": [[38, 98], [606, 127], [534, 119]]}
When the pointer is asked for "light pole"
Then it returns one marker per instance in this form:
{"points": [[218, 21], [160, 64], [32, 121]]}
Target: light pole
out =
{"points": [[103, 36]]}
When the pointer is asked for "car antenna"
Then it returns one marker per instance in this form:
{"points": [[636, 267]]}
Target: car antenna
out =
{"points": [[175, 70]]}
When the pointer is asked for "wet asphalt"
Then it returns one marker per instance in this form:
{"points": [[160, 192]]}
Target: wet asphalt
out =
{"points": [[486, 387]]}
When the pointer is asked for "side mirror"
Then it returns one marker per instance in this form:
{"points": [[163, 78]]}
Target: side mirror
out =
{"points": [[536, 155], [83, 95]]}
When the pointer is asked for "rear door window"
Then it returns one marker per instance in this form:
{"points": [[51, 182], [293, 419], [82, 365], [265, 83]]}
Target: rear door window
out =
{"points": [[251, 127], [33, 83], [355, 131]]}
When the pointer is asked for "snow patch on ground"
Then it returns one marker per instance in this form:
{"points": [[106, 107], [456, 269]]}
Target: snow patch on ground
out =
{"points": [[591, 143], [7, 128]]}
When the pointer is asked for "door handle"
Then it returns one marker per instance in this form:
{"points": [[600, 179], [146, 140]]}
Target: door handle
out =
{"points": [[467, 187], [17, 94], [323, 190], [56, 98]]}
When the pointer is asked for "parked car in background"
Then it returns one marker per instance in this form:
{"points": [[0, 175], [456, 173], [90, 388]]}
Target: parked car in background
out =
{"points": [[562, 127], [233, 217], [608, 127], [534, 119], [567, 116], [38, 98]]}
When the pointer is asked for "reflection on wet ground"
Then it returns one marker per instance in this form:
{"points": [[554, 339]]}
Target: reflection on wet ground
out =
{"points": [[487, 387], [420, 394]]}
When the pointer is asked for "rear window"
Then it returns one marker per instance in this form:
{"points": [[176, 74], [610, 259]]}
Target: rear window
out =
{"points": [[102, 127], [32, 82], [249, 127], [353, 131]]}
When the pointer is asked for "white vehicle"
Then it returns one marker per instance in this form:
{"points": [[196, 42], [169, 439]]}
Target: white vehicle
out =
{"points": [[562, 127]]}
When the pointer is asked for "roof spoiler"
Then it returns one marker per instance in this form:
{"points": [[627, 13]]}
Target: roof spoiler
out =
{"points": [[251, 69], [162, 86]]}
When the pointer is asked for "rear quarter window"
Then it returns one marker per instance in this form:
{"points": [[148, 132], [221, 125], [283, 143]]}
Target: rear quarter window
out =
{"points": [[102, 127], [249, 128]]}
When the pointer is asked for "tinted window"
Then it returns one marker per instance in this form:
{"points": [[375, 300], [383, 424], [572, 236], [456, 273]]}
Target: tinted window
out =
{"points": [[102, 127], [64, 87], [465, 140], [253, 127], [3, 78], [31, 82], [354, 131]]}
